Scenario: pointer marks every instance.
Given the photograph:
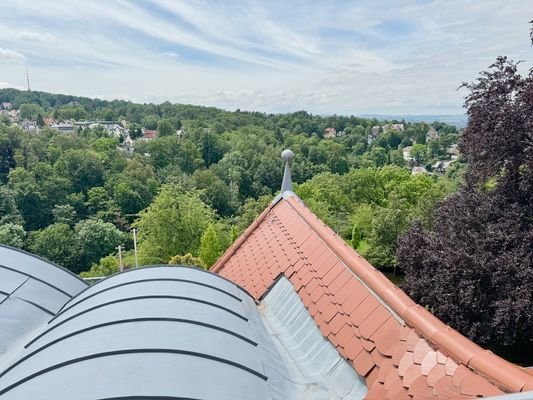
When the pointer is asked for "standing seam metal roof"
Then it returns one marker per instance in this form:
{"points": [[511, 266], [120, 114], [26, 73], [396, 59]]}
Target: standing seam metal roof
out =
{"points": [[31, 290], [152, 333]]}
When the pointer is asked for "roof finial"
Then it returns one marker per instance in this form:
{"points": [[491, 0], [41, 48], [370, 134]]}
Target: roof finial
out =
{"points": [[286, 186]]}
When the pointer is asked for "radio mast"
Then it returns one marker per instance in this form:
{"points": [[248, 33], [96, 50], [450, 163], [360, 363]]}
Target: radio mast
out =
{"points": [[28, 78]]}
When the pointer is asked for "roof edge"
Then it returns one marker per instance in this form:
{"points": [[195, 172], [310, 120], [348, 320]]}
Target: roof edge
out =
{"points": [[509, 376], [241, 239], [51, 263]]}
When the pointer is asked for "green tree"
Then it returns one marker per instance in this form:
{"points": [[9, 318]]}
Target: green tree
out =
{"points": [[150, 122], [434, 149], [172, 224], [216, 192], [165, 128], [95, 239], [40, 120], [64, 214], [9, 212], [211, 146], [83, 168], [388, 224], [419, 153], [249, 211], [100, 204], [58, 244], [210, 248], [378, 155], [393, 140], [134, 188], [173, 150], [396, 158], [108, 265], [29, 200], [7, 155], [325, 195], [187, 259], [30, 111], [362, 224], [135, 131], [13, 235]]}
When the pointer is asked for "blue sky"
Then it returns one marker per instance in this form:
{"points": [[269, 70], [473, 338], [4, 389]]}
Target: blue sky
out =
{"points": [[344, 57]]}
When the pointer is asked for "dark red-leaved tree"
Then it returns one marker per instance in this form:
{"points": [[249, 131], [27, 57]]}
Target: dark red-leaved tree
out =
{"points": [[474, 267]]}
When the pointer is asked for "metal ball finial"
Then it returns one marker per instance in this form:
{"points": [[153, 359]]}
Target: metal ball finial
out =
{"points": [[287, 155], [286, 186]]}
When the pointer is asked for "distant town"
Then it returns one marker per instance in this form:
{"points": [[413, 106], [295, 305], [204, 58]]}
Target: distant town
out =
{"points": [[128, 135]]}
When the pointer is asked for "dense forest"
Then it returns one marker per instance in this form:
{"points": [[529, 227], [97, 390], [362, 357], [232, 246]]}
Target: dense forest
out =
{"points": [[74, 197]]}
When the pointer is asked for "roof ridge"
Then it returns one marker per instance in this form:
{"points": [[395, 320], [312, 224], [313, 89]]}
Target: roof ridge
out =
{"points": [[508, 375]]}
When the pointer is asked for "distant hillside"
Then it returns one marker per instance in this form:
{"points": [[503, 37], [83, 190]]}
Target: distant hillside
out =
{"points": [[458, 120], [83, 107]]}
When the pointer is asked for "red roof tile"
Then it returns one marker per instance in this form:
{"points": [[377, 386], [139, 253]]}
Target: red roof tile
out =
{"points": [[149, 134], [401, 349]]}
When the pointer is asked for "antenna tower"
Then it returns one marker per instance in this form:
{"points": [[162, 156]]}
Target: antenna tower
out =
{"points": [[28, 78]]}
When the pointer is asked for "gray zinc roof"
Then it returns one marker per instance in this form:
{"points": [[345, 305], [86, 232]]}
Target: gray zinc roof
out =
{"points": [[148, 333], [31, 291]]}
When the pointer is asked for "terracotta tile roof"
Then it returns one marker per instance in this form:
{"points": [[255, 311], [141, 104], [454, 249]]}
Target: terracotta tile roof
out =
{"points": [[149, 134], [402, 350]]}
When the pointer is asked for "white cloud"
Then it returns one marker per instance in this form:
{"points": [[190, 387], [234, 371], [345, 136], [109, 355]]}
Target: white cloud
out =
{"points": [[171, 54], [6, 85], [36, 36], [374, 56], [7, 55]]}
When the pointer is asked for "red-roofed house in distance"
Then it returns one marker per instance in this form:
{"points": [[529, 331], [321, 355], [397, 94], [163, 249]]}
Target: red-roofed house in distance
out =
{"points": [[397, 348], [148, 134]]}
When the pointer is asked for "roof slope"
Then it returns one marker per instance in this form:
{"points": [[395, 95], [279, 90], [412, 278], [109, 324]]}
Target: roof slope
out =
{"points": [[401, 349], [31, 291]]}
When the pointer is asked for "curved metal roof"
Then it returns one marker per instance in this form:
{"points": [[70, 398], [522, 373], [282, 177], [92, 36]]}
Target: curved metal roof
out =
{"points": [[31, 291], [150, 332]]}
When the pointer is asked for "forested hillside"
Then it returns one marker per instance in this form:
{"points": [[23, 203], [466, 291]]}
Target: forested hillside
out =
{"points": [[191, 178]]}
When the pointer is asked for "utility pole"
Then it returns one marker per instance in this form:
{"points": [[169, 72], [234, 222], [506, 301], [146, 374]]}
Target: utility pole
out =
{"points": [[135, 247], [120, 263]]}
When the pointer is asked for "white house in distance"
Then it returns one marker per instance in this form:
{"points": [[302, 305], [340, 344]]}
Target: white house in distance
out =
{"points": [[418, 170], [28, 125], [65, 127], [14, 115], [330, 133], [393, 127], [406, 152], [432, 134]]}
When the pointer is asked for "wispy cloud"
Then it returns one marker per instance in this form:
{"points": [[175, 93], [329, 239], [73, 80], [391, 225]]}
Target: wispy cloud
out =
{"points": [[6, 85], [8, 55], [324, 56], [36, 36]]}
